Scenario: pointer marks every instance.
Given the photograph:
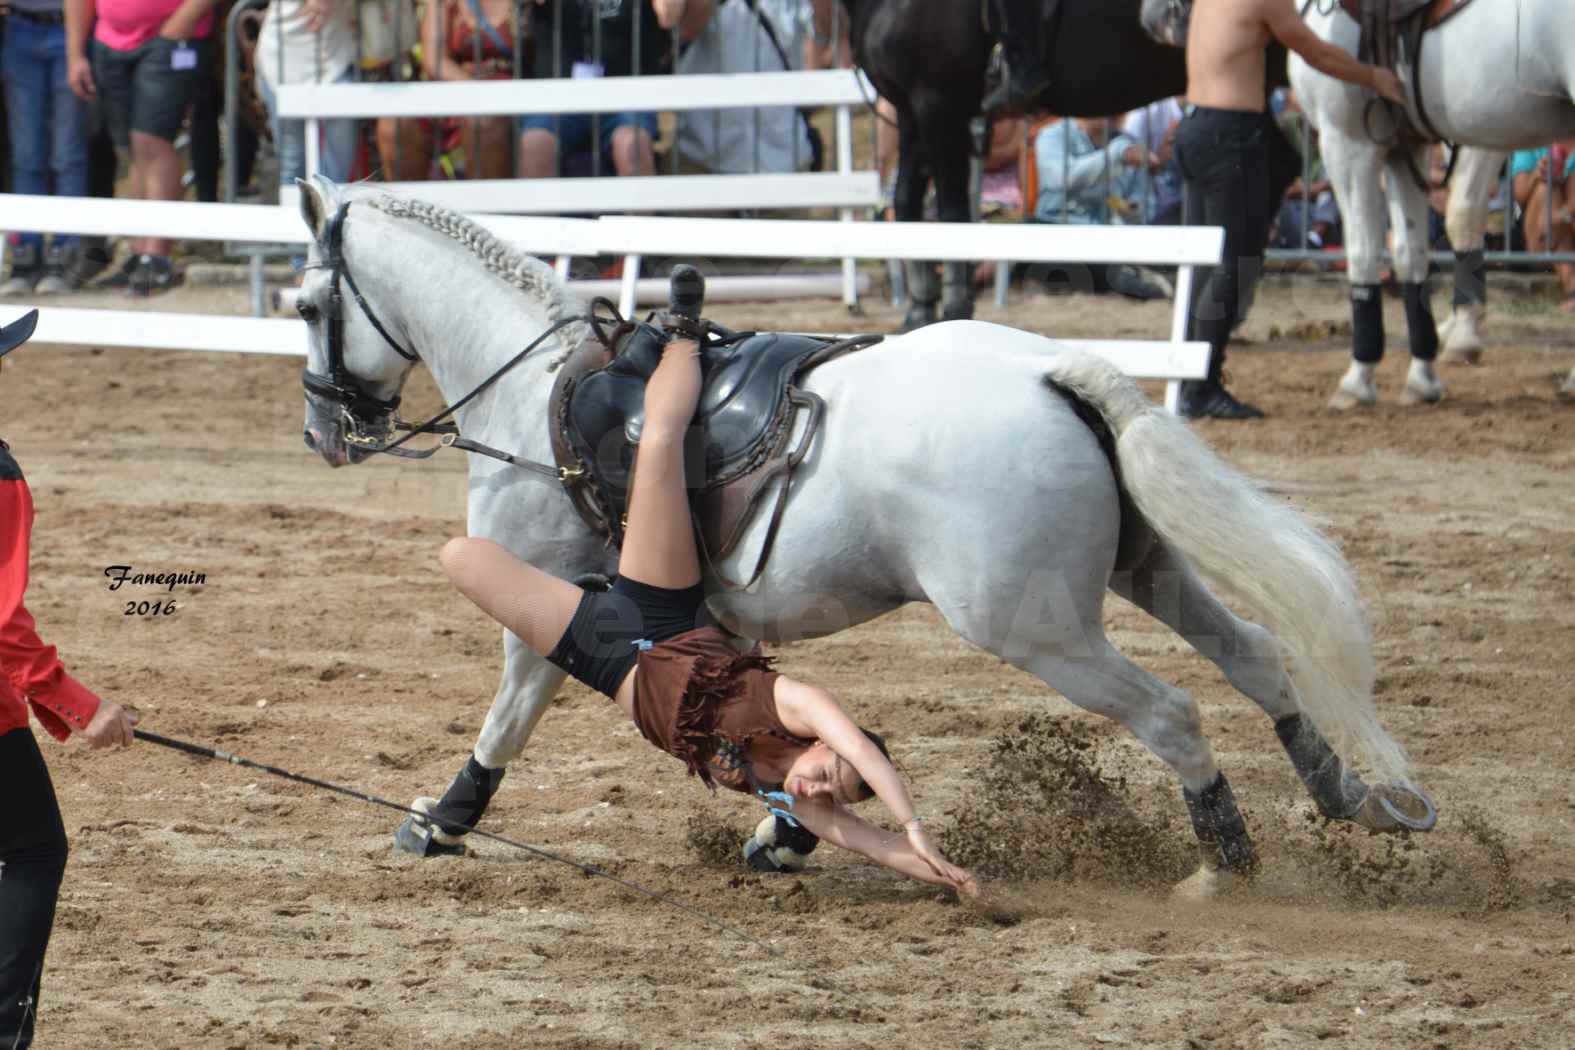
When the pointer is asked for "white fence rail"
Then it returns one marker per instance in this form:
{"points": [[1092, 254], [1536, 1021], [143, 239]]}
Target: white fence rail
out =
{"points": [[1174, 359]]}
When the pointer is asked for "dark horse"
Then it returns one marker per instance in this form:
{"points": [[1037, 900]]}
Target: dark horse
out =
{"points": [[928, 57]]}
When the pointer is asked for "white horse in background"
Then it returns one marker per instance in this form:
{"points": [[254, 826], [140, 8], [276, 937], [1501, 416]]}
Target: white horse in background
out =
{"points": [[952, 467], [1495, 76]]}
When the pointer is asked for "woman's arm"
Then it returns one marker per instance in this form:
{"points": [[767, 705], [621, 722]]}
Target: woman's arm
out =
{"points": [[808, 711], [842, 828]]}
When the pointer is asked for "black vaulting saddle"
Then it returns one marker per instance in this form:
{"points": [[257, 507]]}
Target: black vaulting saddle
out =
{"points": [[1392, 37], [739, 443]]}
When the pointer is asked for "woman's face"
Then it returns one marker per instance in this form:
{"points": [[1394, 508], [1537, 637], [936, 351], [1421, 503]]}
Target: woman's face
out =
{"points": [[820, 772]]}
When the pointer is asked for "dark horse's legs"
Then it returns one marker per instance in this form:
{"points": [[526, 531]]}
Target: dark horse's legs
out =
{"points": [[913, 178]]}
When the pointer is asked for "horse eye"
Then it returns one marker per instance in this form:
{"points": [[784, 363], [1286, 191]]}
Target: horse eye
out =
{"points": [[308, 311]]}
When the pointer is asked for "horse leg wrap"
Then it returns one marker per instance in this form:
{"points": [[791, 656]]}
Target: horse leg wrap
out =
{"points": [[1221, 831], [1367, 323], [467, 797], [923, 287], [1419, 321], [1331, 788], [957, 283], [1470, 279]]}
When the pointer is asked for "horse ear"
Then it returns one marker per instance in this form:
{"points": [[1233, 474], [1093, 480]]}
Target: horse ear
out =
{"points": [[318, 196]]}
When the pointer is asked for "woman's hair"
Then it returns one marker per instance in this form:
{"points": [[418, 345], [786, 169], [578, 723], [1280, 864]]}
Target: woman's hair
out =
{"points": [[865, 791]]}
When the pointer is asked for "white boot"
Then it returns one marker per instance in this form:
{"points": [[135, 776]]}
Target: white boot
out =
{"points": [[1421, 385], [1356, 388]]}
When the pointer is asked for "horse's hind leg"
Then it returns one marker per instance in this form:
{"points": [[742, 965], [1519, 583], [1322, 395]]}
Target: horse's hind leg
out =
{"points": [[1470, 192], [1408, 219], [1163, 585], [1055, 632], [1167, 721]]}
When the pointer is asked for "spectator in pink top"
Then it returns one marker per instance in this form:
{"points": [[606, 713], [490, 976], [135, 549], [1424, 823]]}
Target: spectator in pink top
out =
{"points": [[149, 58]]}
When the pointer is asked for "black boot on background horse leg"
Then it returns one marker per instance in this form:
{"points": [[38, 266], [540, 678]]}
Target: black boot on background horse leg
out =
{"points": [[924, 293], [1341, 795], [460, 809], [958, 286], [1226, 848]]}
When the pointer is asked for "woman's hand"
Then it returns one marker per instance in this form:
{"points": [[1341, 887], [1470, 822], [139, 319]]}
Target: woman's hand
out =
{"points": [[945, 870], [79, 74], [111, 725]]}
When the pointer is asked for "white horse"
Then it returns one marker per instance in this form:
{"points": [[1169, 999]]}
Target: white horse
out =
{"points": [[951, 468], [1496, 76]]}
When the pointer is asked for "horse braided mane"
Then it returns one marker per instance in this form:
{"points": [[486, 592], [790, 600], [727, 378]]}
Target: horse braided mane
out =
{"points": [[527, 273]]}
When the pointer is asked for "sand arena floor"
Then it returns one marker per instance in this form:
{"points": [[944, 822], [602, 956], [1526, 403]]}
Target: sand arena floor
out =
{"points": [[212, 907]]}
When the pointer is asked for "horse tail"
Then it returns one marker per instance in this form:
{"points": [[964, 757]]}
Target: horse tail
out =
{"points": [[1290, 576]]}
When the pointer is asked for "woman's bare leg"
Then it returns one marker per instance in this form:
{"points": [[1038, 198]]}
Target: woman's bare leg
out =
{"points": [[659, 541], [536, 606]]}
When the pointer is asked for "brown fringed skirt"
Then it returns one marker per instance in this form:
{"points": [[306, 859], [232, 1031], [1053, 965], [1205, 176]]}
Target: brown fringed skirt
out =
{"points": [[682, 687]]}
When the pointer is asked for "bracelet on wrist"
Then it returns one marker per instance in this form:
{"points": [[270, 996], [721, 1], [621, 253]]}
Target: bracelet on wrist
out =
{"points": [[913, 823]]}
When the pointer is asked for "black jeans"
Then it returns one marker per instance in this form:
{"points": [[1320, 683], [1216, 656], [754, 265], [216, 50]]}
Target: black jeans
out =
{"points": [[1223, 155], [32, 861]]}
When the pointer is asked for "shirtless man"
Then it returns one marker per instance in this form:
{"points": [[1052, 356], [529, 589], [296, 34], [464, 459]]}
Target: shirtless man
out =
{"points": [[1220, 148]]}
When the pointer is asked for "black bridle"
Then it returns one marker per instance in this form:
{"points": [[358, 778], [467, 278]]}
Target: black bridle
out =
{"points": [[357, 405], [365, 416]]}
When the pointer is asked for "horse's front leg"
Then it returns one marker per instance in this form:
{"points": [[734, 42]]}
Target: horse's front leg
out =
{"points": [[1408, 208], [525, 692], [949, 152], [1471, 188], [1354, 169]]}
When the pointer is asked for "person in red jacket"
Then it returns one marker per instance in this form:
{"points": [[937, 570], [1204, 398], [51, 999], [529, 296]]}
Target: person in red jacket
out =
{"points": [[32, 837]]}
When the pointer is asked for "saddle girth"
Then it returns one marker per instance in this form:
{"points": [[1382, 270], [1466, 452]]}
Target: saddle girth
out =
{"points": [[737, 448], [1391, 37]]}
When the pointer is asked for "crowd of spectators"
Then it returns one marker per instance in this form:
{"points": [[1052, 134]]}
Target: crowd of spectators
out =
{"points": [[86, 80]]}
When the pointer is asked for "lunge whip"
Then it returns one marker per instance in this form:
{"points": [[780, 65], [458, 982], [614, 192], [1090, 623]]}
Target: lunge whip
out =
{"points": [[224, 756]]}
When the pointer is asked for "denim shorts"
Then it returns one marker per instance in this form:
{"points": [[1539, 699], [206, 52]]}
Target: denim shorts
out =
{"points": [[574, 129], [141, 90]]}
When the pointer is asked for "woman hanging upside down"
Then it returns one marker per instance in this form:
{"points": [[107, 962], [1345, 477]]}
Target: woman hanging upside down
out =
{"points": [[647, 644]]}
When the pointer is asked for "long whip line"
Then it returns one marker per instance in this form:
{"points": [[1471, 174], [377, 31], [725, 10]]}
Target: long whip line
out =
{"points": [[589, 869]]}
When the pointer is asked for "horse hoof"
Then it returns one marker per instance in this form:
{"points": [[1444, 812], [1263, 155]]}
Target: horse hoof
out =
{"points": [[1567, 391], [1421, 387], [1395, 808], [424, 839], [1206, 884], [1356, 390], [1469, 355]]}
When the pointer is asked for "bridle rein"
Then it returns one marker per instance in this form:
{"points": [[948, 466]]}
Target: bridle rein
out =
{"points": [[358, 406]]}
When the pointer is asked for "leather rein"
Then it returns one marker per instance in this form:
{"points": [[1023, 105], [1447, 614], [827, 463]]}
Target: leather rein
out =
{"points": [[356, 402]]}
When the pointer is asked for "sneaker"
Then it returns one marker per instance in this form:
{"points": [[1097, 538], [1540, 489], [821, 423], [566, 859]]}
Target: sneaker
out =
{"points": [[121, 278], [26, 268], [58, 272], [1209, 400], [154, 274], [91, 258]]}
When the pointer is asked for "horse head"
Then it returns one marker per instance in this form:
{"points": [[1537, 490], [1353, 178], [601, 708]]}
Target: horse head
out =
{"points": [[357, 357], [1166, 20]]}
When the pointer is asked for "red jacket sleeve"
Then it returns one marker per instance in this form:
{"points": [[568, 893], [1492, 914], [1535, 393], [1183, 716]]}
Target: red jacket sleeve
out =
{"points": [[61, 703]]}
